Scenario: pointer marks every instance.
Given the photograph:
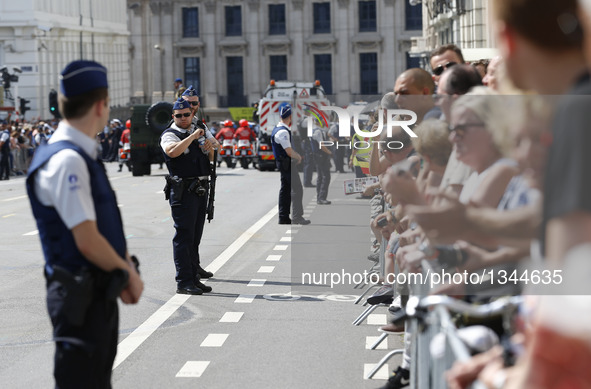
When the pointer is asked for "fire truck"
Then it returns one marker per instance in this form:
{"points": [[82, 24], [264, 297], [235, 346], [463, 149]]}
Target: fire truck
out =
{"points": [[306, 99]]}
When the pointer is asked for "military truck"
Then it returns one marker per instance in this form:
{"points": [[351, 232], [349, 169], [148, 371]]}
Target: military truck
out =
{"points": [[147, 124]]}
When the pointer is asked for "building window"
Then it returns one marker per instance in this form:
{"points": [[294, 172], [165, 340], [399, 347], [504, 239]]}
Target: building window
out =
{"points": [[368, 73], [233, 20], [278, 66], [276, 19], [321, 18], [190, 22], [323, 71], [413, 16], [235, 81], [367, 16], [192, 73], [412, 62]]}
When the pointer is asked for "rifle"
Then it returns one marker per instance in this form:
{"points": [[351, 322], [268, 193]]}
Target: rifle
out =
{"points": [[214, 176]]}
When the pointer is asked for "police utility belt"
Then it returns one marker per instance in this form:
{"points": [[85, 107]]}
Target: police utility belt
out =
{"points": [[81, 287], [198, 185]]}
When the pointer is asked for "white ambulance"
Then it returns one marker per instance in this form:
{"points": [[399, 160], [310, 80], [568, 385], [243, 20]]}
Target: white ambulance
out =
{"points": [[306, 99]]}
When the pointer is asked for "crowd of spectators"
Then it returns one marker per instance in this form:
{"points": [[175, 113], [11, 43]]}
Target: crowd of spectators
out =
{"points": [[498, 177], [18, 140]]}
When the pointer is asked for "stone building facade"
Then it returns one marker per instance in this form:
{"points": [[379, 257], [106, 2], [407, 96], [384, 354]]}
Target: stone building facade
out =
{"points": [[230, 50], [465, 23], [41, 36]]}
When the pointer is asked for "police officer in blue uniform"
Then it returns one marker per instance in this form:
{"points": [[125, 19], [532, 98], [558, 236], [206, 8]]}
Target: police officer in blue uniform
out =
{"points": [[187, 189], [86, 260], [285, 156]]}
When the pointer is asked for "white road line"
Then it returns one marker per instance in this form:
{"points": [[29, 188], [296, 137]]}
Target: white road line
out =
{"points": [[160, 192], [214, 340], [193, 369], [377, 319], [280, 247], [288, 232], [266, 269], [36, 232], [140, 334], [16, 198], [273, 257], [285, 239], [231, 317], [381, 374], [370, 340], [245, 298], [221, 260], [256, 282], [9, 215]]}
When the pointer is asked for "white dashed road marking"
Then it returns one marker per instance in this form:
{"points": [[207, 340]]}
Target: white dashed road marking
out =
{"points": [[257, 282], [245, 298], [370, 340], [214, 340], [231, 317], [381, 374], [140, 334], [266, 269], [377, 319], [193, 369], [280, 247], [286, 239], [273, 257], [36, 232]]}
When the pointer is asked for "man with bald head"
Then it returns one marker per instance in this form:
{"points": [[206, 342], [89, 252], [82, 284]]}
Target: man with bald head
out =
{"points": [[414, 90]]}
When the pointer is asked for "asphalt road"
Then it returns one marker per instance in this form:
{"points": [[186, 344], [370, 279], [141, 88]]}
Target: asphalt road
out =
{"points": [[259, 328]]}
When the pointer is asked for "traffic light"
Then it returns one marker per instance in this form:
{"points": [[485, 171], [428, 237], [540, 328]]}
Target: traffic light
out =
{"points": [[23, 106], [53, 107]]}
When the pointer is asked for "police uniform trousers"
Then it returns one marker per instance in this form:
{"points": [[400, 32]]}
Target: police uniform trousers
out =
{"points": [[188, 213], [84, 355], [323, 172], [291, 192], [5, 164]]}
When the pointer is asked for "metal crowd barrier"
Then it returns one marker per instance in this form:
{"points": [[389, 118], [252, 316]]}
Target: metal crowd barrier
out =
{"points": [[424, 324]]}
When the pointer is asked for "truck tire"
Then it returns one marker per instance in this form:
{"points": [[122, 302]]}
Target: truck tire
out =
{"points": [[158, 116], [141, 169]]}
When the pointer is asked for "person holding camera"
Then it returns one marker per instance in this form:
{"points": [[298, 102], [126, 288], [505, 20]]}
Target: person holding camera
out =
{"points": [[87, 265], [187, 158]]}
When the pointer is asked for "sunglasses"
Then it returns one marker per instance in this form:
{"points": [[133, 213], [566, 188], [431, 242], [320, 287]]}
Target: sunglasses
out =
{"points": [[180, 115], [439, 69], [194, 103]]}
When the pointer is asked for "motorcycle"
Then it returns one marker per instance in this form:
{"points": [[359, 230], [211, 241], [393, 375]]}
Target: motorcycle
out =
{"points": [[226, 153], [244, 152], [125, 156]]}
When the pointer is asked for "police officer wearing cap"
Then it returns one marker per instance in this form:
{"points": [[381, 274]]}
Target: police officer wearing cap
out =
{"points": [[86, 260], [178, 87], [190, 94], [285, 156], [186, 189]]}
